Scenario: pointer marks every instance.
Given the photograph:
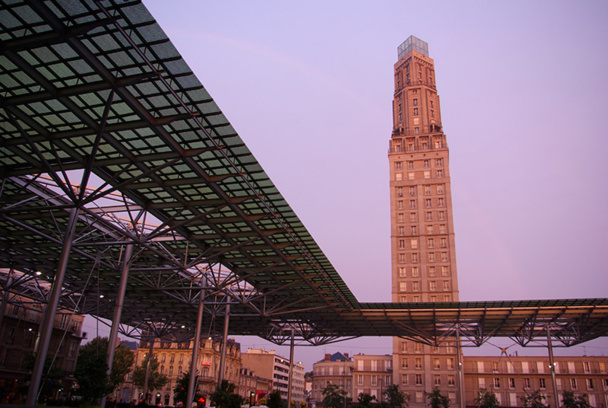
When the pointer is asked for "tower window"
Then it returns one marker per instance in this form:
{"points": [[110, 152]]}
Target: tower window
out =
{"points": [[415, 102]]}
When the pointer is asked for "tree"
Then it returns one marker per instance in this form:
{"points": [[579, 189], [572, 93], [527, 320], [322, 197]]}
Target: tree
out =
{"points": [[156, 380], [395, 397], [333, 396], [91, 371], [486, 399], [180, 392], [275, 400], [436, 399], [91, 368], [224, 396], [52, 378], [121, 364], [533, 400], [364, 401], [572, 401]]}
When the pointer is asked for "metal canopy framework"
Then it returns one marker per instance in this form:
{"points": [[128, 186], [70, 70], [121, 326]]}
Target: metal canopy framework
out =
{"points": [[100, 113]]}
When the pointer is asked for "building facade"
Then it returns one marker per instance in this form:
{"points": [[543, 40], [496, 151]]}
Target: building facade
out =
{"points": [[174, 360], [334, 369], [267, 364], [18, 334], [511, 377], [423, 252]]}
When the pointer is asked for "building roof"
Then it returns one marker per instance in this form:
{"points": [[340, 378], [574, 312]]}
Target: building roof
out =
{"points": [[101, 114]]}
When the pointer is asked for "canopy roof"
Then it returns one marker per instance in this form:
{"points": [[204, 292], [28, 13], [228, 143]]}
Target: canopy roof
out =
{"points": [[99, 113]]}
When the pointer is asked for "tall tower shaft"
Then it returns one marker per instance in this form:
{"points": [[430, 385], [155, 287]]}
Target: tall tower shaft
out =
{"points": [[423, 256]]}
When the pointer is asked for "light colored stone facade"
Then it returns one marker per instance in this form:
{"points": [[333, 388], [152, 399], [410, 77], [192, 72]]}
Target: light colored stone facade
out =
{"points": [[511, 377], [268, 364], [175, 359]]}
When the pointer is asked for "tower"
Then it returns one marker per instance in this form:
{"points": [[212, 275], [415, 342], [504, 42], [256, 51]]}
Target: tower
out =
{"points": [[423, 257]]}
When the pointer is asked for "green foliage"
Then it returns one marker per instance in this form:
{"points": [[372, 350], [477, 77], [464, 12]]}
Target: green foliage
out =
{"points": [[436, 399], [533, 400], [333, 396], [156, 380], [224, 396], [275, 400], [121, 364], [180, 392], [91, 370], [395, 397], [486, 399], [572, 401], [364, 401]]}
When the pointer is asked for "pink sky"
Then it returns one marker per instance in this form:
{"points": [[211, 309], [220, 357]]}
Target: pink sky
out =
{"points": [[523, 87]]}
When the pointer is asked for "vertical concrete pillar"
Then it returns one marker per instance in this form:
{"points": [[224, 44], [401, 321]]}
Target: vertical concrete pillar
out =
{"points": [[148, 367], [46, 330], [196, 346], [220, 376], [460, 370], [552, 368], [118, 311], [289, 383]]}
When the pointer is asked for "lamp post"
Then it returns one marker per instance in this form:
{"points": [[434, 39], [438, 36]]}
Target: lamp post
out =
{"points": [[381, 382]]}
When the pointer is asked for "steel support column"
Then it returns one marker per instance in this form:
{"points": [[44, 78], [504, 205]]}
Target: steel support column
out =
{"points": [[196, 346], [461, 394], [120, 298], [291, 348], [220, 375], [46, 331], [552, 367], [6, 294], [148, 366]]}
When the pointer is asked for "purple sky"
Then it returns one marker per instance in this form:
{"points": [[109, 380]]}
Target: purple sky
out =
{"points": [[523, 87]]}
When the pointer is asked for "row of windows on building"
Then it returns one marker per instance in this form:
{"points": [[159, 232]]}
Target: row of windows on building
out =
{"points": [[412, 175], [418, 298], [409, 347], [415, 271], [402, 258], [417, 379], [413, 164], [414, 286], [527, 383], [413, 217], [427, 189], [386, 380], [428, 202], [418, 364], [429, 228], [541, 367], [430, 243], [411, 144]]}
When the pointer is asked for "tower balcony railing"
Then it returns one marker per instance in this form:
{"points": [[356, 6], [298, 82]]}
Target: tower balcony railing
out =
{"points": [[422, 130]]}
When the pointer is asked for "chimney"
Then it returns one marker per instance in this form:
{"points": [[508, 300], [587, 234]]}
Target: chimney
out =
{"points": [[327, 357], [346, 355]]}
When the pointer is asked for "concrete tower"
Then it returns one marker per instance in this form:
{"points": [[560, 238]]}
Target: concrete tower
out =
{"points": [[422, 231]]}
